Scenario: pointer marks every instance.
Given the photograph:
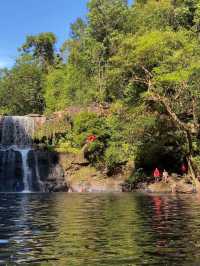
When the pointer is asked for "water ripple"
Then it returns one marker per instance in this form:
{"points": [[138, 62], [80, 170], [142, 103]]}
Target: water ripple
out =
{"points": [[99, 229]]}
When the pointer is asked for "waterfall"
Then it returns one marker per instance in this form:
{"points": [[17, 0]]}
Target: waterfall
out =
{"points": [[40, 183], [16, 145], [26, 171], [18, 131]]}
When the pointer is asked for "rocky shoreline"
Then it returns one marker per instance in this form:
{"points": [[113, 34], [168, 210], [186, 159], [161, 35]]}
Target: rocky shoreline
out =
{"points": [[80, 176], [67, 172], [180, 185]]}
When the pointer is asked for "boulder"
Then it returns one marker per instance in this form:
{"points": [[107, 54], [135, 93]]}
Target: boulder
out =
{"points": [[51, 172]]}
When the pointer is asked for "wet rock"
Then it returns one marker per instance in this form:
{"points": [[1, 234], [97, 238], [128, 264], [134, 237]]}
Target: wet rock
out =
{"points": [[62, 187], [56, 173], [185, 188], [173, 186], [88, 179], [159, 187], [11, 171], [127, 187], [51, 172]]}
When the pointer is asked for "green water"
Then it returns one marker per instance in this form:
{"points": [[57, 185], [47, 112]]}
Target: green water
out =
{"points": [[99, 229]]}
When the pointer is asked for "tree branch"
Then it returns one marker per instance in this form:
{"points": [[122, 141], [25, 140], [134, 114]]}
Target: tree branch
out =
{"points": [[157, 98]]}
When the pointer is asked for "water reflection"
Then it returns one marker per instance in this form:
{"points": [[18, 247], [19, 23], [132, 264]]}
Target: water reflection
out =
{"points": [[99, 229]]}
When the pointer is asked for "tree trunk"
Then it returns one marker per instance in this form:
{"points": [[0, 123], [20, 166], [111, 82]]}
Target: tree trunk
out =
{"points": [[182, 126], [191, 169]]}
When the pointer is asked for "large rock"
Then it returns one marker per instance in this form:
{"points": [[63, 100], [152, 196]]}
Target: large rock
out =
{"points": [[88, 179], [82, 177], [11, 172], [50, 171], [173, 186]]}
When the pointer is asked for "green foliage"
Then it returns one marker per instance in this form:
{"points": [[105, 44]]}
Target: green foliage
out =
{"points": [[56, 90], [21, 88], [64, 146], [86, 124], [41, 47], [138, 176], [53, 130], [116, 154], [142, 61], [95, 151], [151, 14], [101, 14], [78, 29], [196, 163]]}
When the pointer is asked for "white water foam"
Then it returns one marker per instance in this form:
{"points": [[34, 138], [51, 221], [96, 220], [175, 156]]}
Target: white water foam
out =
{"points": [[26, 171]]}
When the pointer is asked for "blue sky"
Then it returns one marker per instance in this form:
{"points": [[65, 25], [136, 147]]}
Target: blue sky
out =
{"points": [[19, 18]]}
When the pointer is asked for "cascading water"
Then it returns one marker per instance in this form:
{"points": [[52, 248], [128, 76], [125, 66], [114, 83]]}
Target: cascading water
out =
{"points": [[26, 171], [40, 183], [16, 146]]}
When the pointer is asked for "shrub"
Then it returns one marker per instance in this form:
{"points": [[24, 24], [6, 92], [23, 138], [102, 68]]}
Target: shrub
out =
{"points": [[86, 124], [115, 155], [196, 163], [65, 146], [95, 151], [138, 176], [90, 123]]}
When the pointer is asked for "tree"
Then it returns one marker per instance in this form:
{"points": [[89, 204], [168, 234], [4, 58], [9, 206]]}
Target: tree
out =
{"points": [[21, 88], [166, 64], [78, 29], [107, 17], [148, 15], [42, 48], [101, 14], [141, 60], [56, 90]]}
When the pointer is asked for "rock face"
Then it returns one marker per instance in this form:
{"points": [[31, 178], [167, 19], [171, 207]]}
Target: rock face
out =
{"points": [[48, 172], [39, 120], [82, 177], [67, 172], [45, 172], [11, 173]]}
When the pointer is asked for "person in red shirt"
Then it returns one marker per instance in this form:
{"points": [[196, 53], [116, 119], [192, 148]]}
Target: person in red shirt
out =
{"points": [[183, 169], [156, 174], [91, 138]]}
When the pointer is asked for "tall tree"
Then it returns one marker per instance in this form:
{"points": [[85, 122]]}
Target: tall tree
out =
{"points": [[166, 64], [106, 17], [42, 48], [78, 29], [21, 88]]}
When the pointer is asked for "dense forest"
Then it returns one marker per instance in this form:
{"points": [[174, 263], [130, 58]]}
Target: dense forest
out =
{"points": [[141, 62]]}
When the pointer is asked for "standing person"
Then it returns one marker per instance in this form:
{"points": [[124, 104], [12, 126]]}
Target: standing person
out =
{"points": [[165, 176], [156, 174], [183, 169]]}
